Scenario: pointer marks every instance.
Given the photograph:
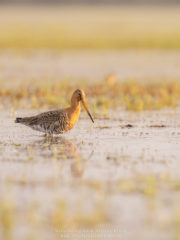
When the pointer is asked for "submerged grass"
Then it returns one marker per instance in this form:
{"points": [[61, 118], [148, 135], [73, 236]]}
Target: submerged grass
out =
{"points": [[132, 95], [59, 220]]}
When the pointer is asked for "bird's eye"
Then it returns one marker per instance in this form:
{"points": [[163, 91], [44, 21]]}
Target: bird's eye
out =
{"points": [[80, 97]]}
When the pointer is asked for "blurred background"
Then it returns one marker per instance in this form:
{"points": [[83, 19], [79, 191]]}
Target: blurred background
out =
{"points": [[90, 24], [92, 1], [89, 39], [86, 41]]}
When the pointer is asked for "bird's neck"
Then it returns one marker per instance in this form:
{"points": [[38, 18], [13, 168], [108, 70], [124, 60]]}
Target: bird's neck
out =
{"points": [[74, 105], [73, 112]]}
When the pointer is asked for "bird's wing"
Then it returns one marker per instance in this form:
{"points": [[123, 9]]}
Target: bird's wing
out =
{"points": [[45, 118]]}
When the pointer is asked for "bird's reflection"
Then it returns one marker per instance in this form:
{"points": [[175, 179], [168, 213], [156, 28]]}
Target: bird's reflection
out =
{"points": [[77, 168], [61, 148]]}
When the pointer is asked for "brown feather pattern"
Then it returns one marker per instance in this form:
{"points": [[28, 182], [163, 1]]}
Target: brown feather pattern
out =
{"points": [[49, 122]]}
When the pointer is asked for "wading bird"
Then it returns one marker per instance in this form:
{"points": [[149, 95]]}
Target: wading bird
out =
{"points": [[59, 121]]}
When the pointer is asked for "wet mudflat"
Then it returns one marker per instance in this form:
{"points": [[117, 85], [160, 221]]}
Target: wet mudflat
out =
{"points": [[122, 171]]}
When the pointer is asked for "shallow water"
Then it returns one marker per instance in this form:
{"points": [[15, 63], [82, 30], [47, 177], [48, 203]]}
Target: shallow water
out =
{"points": [[95, 167], [50, 66]]}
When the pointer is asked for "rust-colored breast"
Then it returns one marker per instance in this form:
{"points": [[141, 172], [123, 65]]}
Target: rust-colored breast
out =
{"points": [[73, 115]]}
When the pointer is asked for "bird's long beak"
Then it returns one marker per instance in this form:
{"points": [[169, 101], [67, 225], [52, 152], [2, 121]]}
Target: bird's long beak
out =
{"points": [[84, 104]]}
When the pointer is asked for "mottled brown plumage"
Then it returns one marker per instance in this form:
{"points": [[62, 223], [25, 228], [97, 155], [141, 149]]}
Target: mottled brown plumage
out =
{"points": [[59, 121]]}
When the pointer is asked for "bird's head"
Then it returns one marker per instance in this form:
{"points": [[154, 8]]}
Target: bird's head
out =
{"points": [[79, 96]]}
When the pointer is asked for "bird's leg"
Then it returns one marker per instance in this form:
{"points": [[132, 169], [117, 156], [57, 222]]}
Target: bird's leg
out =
{"points": [[46, 135], [54, 135]]}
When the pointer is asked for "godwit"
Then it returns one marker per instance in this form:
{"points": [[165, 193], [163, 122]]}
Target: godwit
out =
{"points": [[59, 121]]}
